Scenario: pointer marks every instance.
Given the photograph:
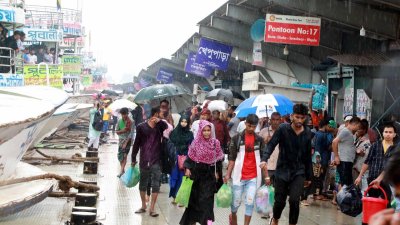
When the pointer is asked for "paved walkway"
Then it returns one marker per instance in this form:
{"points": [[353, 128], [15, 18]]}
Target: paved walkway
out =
{"points": [[116, 204]]}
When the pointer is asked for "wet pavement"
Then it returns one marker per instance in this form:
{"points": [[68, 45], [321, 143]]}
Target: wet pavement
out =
{"points": [[116, 203]]}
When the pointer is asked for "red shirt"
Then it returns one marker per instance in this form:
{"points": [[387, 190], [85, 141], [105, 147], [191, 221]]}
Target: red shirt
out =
{"points": [[316, 118], [249, 169]]}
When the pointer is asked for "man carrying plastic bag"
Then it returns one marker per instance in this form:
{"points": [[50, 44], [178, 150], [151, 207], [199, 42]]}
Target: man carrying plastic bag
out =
{"points": [[265, 198], [244, 160], [131, 177]]}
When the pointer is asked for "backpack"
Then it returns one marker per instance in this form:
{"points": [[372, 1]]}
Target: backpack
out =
{"points": [[98, 121]]}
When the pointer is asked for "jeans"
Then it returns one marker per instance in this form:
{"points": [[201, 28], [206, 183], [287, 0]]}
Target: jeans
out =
{"points": [[293, 188], [249, 188]]}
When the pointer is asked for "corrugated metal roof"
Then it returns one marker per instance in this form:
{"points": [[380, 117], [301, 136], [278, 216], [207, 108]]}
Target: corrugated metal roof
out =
{"points": [[366, 59]]}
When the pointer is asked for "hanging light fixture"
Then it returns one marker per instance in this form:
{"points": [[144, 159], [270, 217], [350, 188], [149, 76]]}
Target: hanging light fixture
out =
{"points": [[286, 50], [362, 31]]}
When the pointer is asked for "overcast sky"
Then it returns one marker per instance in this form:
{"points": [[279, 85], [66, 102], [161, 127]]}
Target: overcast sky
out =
{"points": [[129, 35]]}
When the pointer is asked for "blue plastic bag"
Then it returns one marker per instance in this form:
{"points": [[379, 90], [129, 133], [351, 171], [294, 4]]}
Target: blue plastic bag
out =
{"points": [[131, 177]]}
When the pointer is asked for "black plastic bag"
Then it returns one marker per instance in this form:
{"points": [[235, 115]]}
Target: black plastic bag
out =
{"points": [[349, 200]]}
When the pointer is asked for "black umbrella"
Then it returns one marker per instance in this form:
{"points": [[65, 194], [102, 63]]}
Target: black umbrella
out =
{"points": [[223, 94], [110, 92]]}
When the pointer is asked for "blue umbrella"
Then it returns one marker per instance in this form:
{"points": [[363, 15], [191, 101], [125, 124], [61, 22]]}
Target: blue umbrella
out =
{"points": [[265, 105]]}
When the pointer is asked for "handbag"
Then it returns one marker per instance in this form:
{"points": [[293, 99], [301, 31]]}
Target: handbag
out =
{"points": [[181, 161]]}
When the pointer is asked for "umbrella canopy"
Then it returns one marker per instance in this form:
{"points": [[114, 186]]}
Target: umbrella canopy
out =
{"points": [[121, 103], [159, 91], [265, 105], [226, 95], [110, 92]]}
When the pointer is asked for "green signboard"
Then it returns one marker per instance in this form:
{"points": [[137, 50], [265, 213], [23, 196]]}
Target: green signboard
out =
{"points": [[72, 64]]}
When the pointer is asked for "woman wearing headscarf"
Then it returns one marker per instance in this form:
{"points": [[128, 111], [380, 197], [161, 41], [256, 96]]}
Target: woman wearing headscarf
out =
{"points": [[181, 137], [204, 155]]}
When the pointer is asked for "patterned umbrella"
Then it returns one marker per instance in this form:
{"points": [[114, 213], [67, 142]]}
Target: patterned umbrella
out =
{"points": [[263, 105]]}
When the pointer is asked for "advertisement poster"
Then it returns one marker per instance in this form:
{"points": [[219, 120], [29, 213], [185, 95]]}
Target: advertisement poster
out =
{"points": [[364, 105], [257, 54], [165, 76], [296, 30], [348, 97]]}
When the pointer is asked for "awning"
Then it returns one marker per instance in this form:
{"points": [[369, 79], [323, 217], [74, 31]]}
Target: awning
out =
{"points": [[366, 59]]}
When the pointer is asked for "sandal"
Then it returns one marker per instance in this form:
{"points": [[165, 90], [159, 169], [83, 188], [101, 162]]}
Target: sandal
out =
{"points": [[139, 211], [153, 214]]}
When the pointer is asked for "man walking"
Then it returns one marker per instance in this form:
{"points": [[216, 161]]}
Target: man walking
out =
{"points": [[148, 140], [376, 161], [294, 167], [345, 151], [244, 160]]}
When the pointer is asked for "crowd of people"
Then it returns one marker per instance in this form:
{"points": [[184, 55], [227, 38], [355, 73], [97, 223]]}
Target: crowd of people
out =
{"points": [[305, 155]]}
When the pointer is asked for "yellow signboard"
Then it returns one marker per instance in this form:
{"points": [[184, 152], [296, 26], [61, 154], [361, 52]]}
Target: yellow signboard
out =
{"points": [[35, 76]]}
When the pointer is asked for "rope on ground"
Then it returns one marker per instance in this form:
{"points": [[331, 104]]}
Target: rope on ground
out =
{"points": [[65, 183]]}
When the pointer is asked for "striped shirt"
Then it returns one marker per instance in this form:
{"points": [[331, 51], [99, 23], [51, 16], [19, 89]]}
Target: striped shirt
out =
{"points": [[377, 159]]}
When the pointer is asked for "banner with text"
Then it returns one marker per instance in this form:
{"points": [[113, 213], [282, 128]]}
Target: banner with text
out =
{"points": [[11, 80], [213, 54], [196, 68], [296, 30], [35, 76], [165, 76], [46, 35], [72, 64]]}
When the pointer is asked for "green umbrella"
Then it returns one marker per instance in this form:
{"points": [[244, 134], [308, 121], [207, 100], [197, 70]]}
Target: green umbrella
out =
{"points": [[159, 91]]}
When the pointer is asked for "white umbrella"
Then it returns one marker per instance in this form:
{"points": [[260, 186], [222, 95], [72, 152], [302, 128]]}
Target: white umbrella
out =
{"points": [[121, 103]]}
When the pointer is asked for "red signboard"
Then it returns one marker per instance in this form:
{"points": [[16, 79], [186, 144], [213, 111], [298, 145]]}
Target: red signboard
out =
{"points": [[296, 30]]}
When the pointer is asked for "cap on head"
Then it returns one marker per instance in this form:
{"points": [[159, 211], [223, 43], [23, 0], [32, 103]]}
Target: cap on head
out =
{"points": [[332, 124], [347, 118]]}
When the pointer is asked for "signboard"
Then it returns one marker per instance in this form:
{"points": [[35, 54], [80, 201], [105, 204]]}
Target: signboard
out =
{"points": [[196, 68], [144, 82], [87, 80], [35, 76], [213, 54], [70, 42], [46, 35], [7, 15], [11, 80], [257, 54], [165, 76], [250, 81], [72, 28], [72, 64], [296, 30]]}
